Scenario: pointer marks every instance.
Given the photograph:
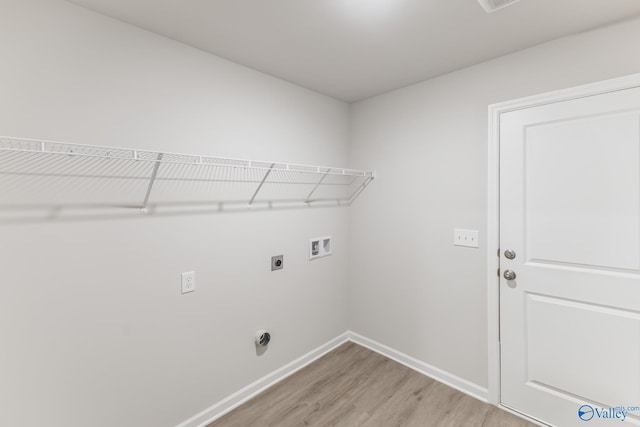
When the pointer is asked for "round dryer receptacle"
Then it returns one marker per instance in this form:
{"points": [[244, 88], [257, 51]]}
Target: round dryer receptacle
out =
{"points": [[262, 338]]}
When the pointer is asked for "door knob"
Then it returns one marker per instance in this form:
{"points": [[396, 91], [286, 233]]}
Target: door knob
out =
{"points": [[509, 275], [509, 254]]}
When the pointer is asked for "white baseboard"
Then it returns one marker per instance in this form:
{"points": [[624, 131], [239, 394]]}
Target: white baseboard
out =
{"points": [[238, 398], [460, 384], [228, 404]]}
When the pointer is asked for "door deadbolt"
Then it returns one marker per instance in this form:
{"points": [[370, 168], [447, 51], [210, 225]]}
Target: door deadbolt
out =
{"points": [[509, 275], [509, 254]]}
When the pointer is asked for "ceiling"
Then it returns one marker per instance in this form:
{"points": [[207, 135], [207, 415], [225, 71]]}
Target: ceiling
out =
{"points": [[354, 49]]}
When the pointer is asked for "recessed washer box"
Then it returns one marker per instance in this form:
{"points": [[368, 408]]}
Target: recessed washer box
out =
{"points": [[319, 247]]}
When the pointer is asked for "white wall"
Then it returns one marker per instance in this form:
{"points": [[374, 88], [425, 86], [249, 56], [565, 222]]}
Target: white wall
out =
{"points": [[94, 331], [410, 288]]}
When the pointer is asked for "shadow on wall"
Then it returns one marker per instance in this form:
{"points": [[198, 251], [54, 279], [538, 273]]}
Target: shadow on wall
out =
{"points": [[50, 181]]}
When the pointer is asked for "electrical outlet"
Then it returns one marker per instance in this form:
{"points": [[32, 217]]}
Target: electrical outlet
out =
{"points": [[467, 238], [277, 262], [188, 282]]}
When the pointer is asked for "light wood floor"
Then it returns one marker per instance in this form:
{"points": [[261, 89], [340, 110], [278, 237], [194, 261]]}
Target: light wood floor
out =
{"points": [[353, 386]]}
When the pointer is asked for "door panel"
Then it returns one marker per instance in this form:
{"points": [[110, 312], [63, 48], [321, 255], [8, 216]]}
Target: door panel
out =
{"points": [[555, 323], [570, 209], [582, 191]]}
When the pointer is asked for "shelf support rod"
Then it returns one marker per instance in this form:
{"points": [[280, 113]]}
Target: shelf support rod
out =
{"points": [[308, 199], [359, 190], [266, 175], [151, 182]]}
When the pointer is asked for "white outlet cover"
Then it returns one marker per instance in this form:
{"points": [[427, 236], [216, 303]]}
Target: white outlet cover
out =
{"points": [[188, 282], [468, 238]]}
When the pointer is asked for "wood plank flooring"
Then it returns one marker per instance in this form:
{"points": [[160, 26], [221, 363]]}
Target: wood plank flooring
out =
{"points": [[354, 386]]}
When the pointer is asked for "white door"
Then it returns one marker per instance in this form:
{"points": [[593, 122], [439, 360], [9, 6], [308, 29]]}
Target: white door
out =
{"points": [[570, 212]]}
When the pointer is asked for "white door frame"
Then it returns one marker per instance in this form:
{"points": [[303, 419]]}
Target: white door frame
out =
{"points": [[493, 214]]}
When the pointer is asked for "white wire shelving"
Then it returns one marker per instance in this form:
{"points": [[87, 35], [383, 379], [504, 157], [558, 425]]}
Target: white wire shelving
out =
{"points": [[47, 178]]}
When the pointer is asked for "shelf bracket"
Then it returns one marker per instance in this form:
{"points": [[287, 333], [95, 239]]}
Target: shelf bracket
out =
{"points": [[308, 199], [266, 175], [152, 180]]}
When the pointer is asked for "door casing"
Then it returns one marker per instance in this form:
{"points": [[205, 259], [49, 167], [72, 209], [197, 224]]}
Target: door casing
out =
{"points": [[493, 213]]}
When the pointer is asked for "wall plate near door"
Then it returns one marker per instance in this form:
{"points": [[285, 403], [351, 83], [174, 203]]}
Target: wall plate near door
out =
{"points": [[467, 238]]}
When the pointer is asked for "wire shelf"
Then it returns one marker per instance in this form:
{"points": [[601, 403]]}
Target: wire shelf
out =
{"points": [[57, 176]]}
